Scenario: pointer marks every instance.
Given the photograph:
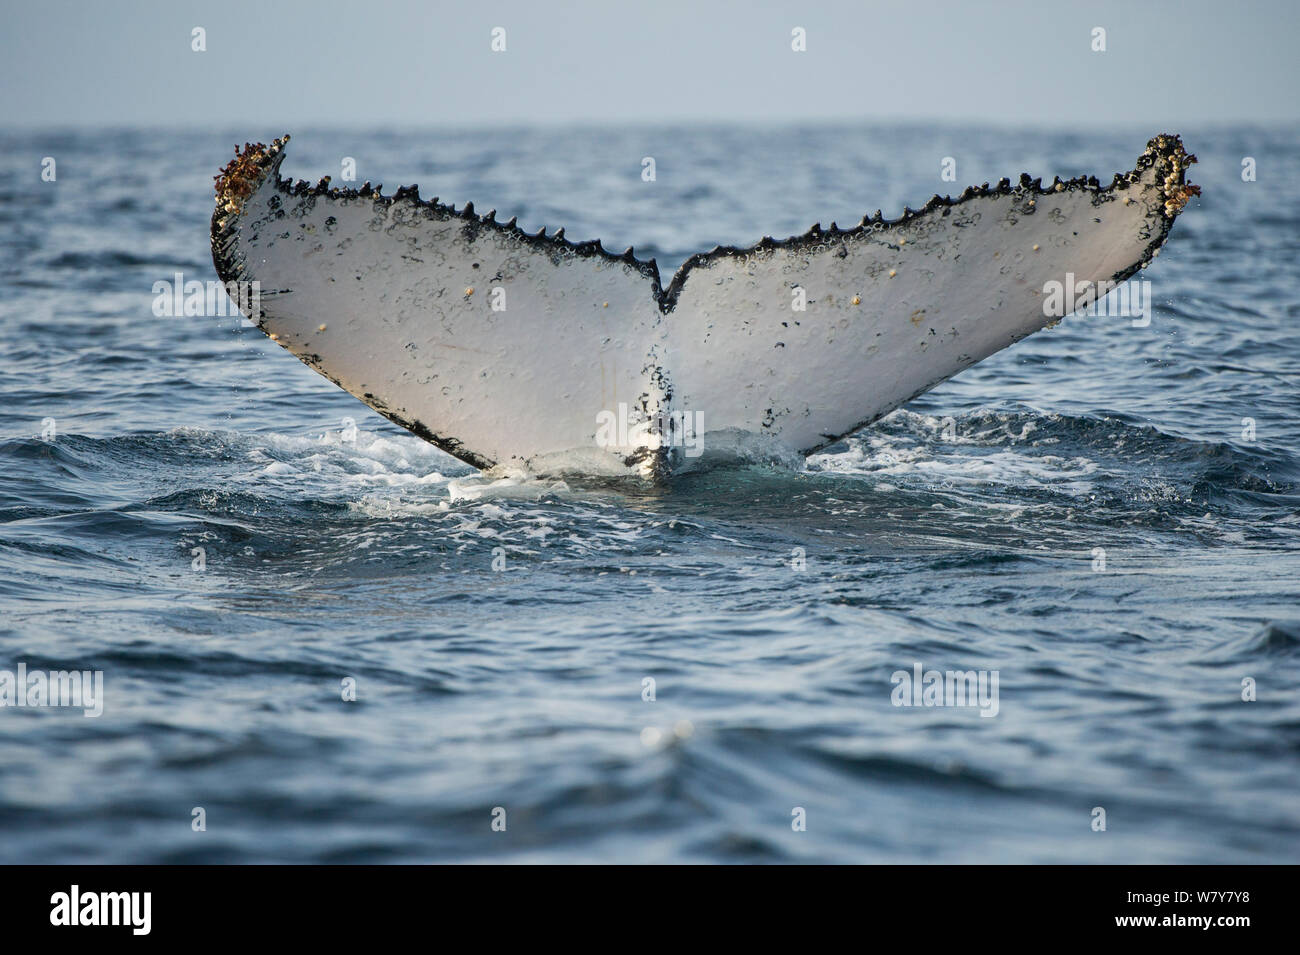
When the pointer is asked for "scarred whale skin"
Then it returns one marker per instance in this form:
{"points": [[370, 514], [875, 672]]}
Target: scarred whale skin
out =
{"points": [[392, 298]]}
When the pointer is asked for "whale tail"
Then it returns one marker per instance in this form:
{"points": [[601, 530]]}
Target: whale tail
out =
{"points": [[508, 348]]}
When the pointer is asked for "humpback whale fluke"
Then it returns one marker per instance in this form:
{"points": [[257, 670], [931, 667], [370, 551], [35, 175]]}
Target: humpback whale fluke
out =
{"points": [[508, 348]]}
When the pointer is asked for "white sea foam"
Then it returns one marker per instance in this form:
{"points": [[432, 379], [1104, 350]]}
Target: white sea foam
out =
{"points": [[958, 459]]}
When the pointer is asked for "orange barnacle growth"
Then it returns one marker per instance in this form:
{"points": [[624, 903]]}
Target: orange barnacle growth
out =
{"points": [[1178, 192], [1180, 196], [243, 174]]}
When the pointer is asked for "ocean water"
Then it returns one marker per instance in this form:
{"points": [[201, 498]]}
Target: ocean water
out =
{"points": [[1089, 515]]}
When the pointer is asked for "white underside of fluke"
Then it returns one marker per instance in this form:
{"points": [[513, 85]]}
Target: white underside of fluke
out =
{"points": [[510, 349]]}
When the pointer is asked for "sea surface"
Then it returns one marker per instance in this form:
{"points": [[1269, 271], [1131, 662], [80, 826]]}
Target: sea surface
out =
{"points": [[1110, 523]]}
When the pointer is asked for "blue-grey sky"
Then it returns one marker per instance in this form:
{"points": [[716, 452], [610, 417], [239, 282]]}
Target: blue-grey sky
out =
{"points": [[403, 62]]}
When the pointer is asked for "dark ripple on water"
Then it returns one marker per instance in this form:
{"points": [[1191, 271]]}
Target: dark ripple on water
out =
{"points": [[962, 533]]}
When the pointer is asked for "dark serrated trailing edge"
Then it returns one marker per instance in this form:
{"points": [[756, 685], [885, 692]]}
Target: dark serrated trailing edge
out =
{"points": [[1166, 149]]}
